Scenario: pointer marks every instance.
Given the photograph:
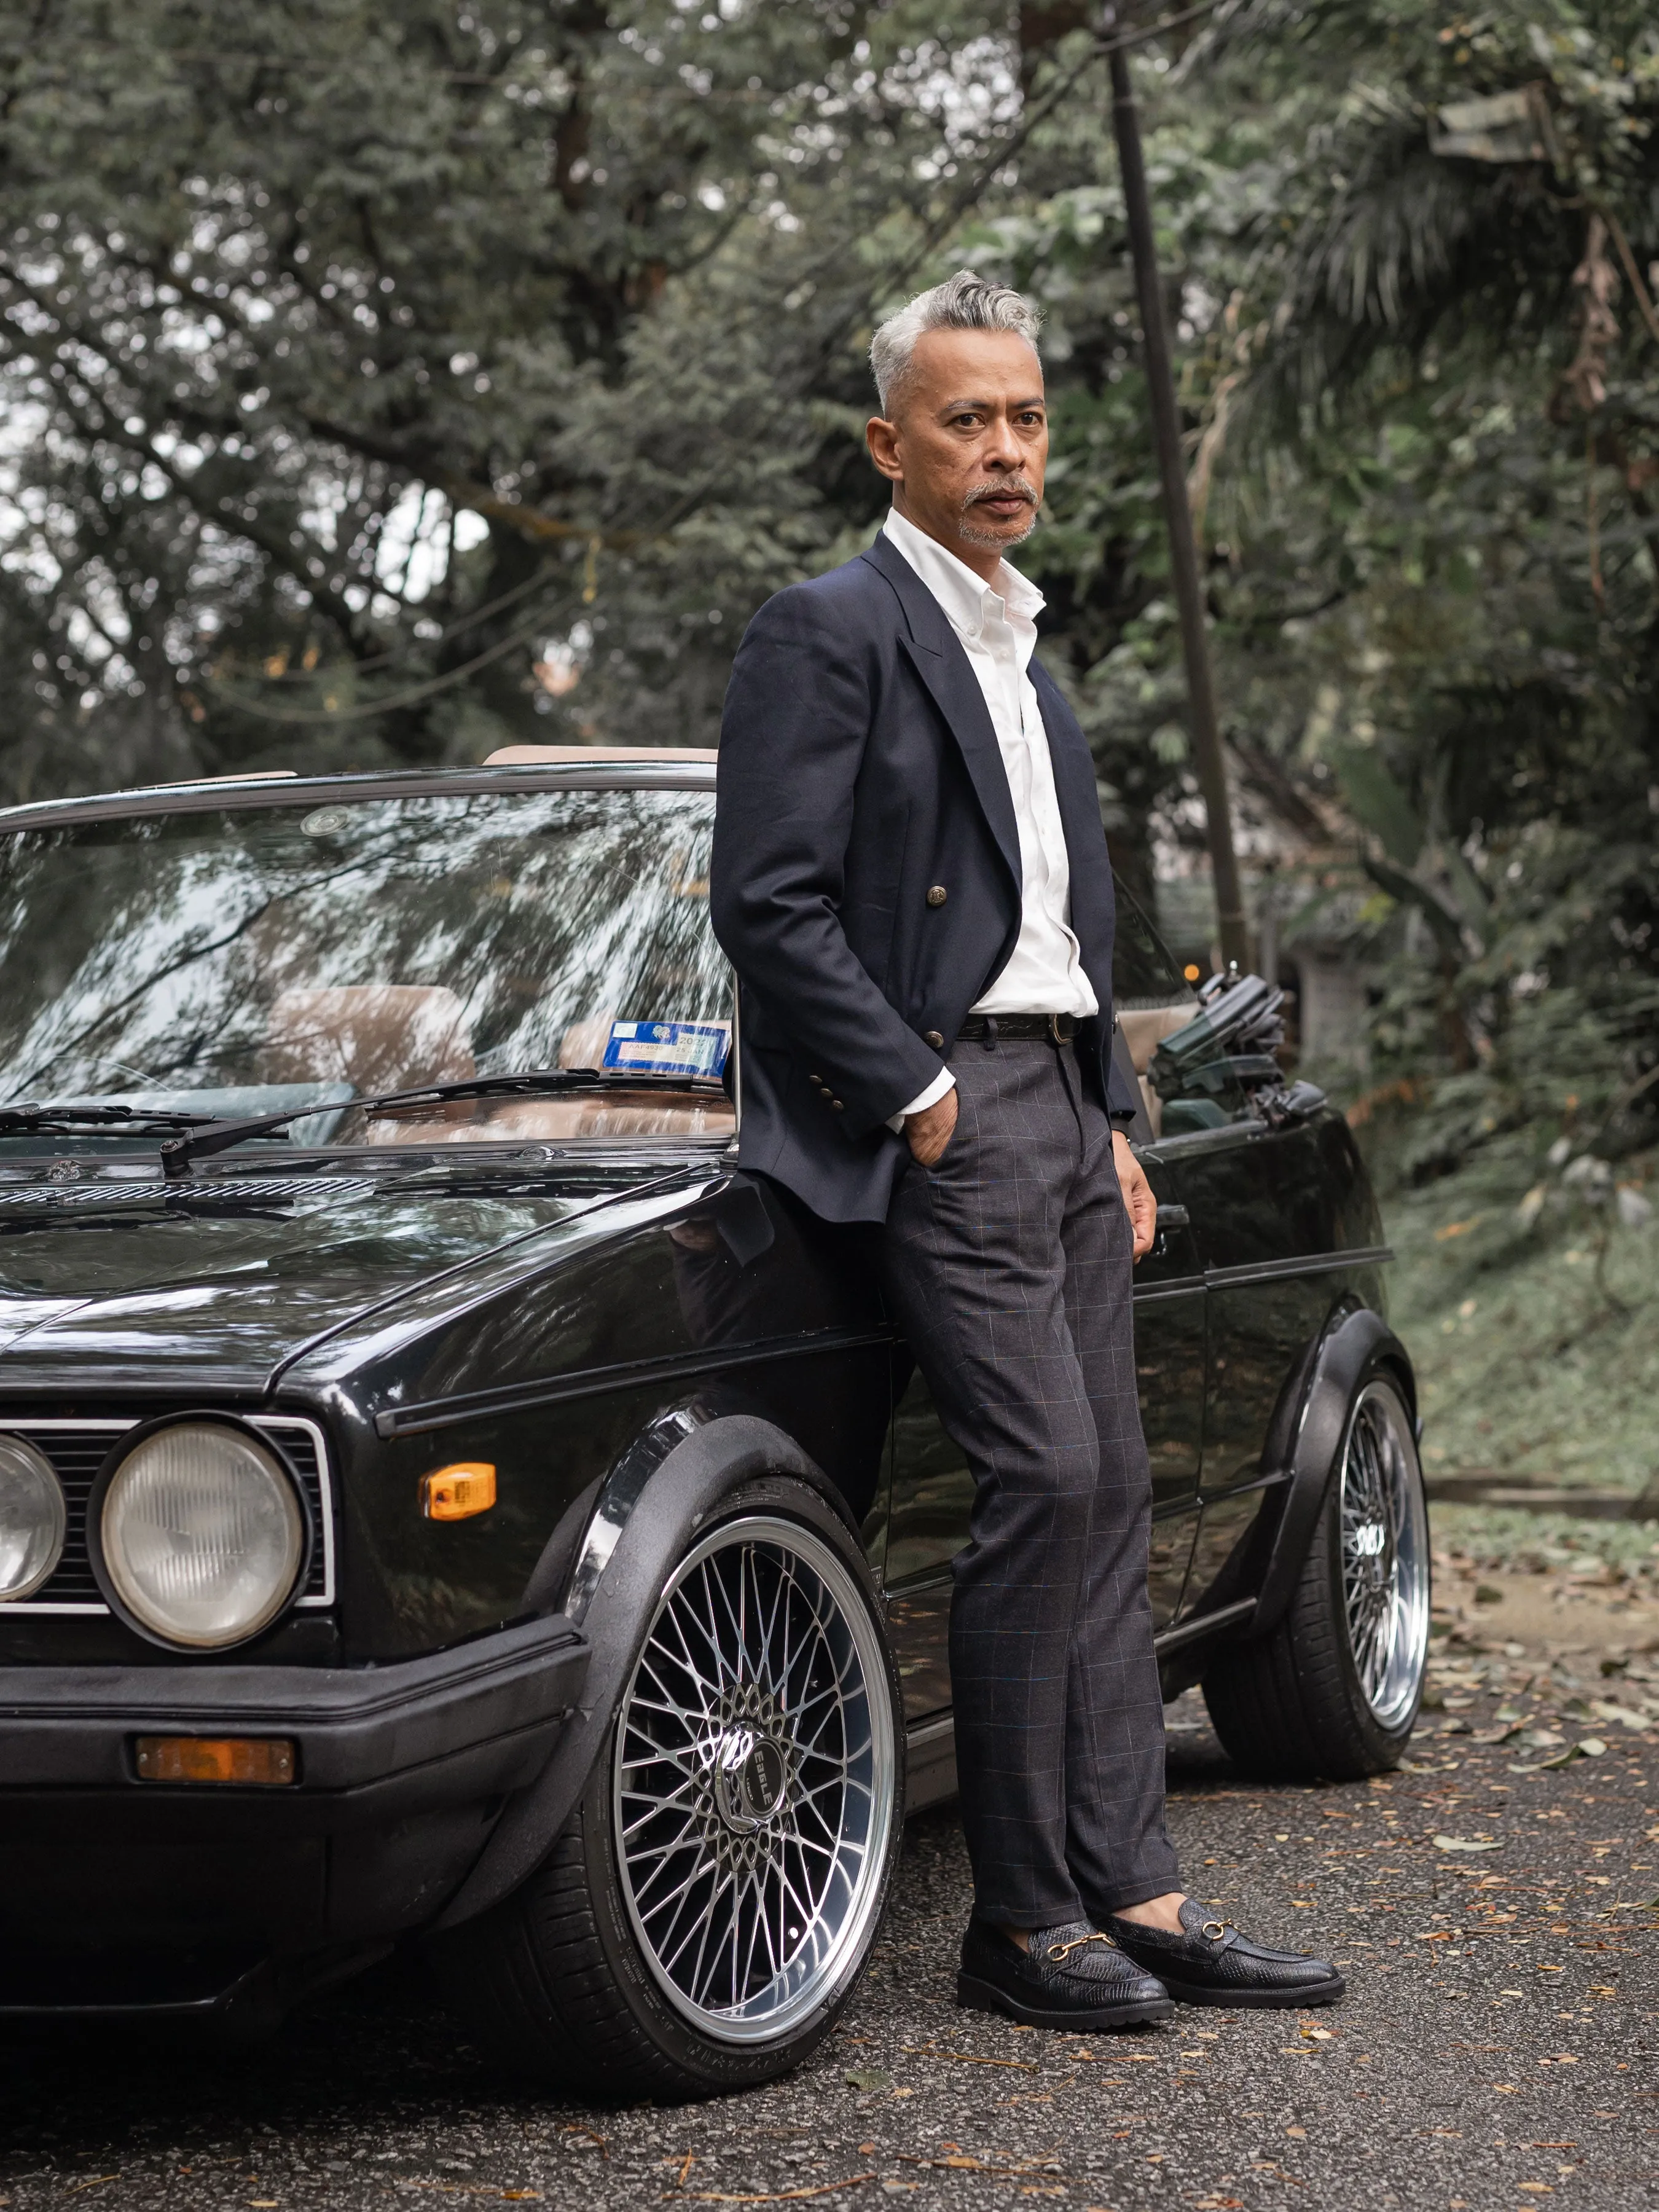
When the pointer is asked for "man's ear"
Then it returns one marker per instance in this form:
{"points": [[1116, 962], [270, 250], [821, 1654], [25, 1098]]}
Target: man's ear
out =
{"points": [[886, 449]]}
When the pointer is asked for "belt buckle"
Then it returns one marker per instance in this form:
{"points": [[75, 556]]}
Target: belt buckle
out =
{"points": [[1062, 1027]]}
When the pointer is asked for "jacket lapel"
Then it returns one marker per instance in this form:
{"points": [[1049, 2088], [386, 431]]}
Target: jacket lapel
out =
{"points": [[936, 654]]}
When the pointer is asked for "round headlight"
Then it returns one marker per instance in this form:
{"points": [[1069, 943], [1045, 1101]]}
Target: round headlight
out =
{"points": [[32, 1519], [202, 1536]]}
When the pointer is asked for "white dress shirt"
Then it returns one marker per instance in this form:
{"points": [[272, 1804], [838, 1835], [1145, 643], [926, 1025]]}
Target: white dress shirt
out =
{"points": [[997, 626]]}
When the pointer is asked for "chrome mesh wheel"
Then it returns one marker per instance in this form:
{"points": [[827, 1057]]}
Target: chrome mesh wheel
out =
{"points": [[753, 1786], [1385, 1553]]}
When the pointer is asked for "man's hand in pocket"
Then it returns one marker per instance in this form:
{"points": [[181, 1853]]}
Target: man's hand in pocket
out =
{"points": [[929, 1132]]}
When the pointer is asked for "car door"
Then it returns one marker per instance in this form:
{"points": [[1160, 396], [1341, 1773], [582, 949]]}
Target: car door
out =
{"points": [[1277, 1251]]}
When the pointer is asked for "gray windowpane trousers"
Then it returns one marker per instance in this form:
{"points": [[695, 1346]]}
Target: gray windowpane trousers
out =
{"points": [[1007, 1265]]}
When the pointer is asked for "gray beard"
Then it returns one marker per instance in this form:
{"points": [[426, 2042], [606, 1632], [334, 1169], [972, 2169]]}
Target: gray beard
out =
{"points": [[995, 541]]}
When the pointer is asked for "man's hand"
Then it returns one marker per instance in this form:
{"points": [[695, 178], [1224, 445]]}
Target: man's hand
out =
{"points": [[929, 1132], [1138, 1200]]}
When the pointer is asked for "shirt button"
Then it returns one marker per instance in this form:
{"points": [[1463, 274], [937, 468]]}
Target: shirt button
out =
{"points": [[934, 1037], [937, 893]]}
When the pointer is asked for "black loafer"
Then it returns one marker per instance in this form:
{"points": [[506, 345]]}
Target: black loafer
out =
{"points": [[1211, 1963], [1072, 1977]]}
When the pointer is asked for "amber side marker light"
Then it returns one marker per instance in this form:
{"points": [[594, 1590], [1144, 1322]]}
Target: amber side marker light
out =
{"points": [[456, 1493], [261, 1762]]}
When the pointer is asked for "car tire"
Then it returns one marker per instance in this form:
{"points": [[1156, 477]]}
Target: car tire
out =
{"points": [[1332, 1690], [750, 1791]]}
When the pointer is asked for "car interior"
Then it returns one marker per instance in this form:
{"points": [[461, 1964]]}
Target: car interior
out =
{"points": [[380, 1037]]}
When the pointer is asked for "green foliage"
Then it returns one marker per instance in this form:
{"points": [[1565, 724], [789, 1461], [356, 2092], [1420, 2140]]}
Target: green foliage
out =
{"points": [[1531, 1358], [361, 358]]}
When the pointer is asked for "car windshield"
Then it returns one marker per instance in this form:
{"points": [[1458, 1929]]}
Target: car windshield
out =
{"points": [[252, 959]]}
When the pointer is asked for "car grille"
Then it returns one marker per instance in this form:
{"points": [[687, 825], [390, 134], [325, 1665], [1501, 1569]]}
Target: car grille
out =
{"points": [[78, 1450]]}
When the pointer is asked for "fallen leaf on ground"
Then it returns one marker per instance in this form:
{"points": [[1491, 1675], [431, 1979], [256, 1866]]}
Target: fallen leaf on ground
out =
{"points": [[1591, 1746], [868, 2077], [1463, 1844]]}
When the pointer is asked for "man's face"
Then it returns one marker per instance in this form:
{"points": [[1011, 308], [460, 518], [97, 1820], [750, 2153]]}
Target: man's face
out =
{"points": [[967, 442]]}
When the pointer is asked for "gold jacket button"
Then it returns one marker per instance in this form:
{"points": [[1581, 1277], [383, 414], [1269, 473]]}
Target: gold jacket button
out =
{"points": [[937, 893], [934, 1037]]}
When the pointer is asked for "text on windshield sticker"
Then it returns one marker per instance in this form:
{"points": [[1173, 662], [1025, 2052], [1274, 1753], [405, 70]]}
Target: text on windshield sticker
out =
{"points": [[668, 1048]]}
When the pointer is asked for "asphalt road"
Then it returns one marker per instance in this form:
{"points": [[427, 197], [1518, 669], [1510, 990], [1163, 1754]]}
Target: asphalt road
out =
{"points": [[1494, 2049]]}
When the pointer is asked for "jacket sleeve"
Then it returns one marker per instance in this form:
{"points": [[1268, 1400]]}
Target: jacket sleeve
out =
{"points": [[1122, 1104], [796, 721]]}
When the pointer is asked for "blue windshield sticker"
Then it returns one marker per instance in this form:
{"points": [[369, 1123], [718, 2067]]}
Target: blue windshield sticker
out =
{"points": [[668, 1048]]}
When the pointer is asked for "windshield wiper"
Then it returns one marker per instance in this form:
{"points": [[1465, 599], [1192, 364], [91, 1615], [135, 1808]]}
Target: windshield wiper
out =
{"points": [[536, 1083], [16, 1119]]}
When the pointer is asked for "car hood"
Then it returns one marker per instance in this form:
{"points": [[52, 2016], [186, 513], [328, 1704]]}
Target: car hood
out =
{"points": [[221, 1285]]}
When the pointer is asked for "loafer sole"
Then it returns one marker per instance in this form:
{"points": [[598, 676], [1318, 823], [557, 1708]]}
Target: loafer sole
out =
{"points": [[1265, 1999], [976, 1996]]}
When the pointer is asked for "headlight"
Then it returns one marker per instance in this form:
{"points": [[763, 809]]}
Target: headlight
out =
{"points": [[32, 1519], [200, 1534]]}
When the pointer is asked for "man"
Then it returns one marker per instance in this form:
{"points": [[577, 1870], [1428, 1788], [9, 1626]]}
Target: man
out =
{"points": [[911, 879]]}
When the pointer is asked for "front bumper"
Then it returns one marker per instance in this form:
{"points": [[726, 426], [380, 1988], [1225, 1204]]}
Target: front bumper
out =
{"points": [[119, 1894]]}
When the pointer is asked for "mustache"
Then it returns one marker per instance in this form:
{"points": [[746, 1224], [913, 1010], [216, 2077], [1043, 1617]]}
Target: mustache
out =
{"points": [[1002, 488]]}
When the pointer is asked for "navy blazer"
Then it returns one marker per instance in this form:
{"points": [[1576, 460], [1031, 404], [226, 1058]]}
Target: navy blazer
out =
{"points": [[867, 879]]}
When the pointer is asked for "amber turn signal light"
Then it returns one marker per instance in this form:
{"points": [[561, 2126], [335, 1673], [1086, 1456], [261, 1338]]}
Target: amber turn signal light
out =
{"points": [[456, 1493], [262, 1762]]}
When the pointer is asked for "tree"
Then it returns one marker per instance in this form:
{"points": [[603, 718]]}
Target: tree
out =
{"points": [[366, 360]]}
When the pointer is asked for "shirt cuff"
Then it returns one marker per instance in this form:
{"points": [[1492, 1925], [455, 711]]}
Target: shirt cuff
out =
{"points": [[942, 1082]]}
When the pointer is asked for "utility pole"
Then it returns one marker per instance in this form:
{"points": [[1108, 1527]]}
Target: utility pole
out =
{"points": [[1177, 511]]}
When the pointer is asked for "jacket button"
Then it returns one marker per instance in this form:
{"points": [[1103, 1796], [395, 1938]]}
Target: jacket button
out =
{"points": [[937, 893], [838, 1105], [934, 1037]]}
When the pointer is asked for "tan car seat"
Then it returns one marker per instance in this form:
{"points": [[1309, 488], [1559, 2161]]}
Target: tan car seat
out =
{"points": [[1145, 1029], [375, 1036]]}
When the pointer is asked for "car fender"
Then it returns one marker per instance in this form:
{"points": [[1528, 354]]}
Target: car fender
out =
{"points": [[1304, 1440], [686, 1464]]}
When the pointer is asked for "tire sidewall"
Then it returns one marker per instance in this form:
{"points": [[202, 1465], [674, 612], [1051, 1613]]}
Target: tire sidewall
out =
{"points": [[715, 2066]]}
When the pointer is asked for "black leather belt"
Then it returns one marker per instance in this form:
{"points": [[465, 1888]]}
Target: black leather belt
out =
{"points": [[1052, 1029]]}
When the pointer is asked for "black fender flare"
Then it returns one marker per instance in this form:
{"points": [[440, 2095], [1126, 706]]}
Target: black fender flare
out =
{"points": [[687, 1462], [1305, 1437]]}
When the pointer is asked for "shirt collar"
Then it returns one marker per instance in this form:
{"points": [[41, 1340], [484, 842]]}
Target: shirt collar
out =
{"points": [[968, 601]]}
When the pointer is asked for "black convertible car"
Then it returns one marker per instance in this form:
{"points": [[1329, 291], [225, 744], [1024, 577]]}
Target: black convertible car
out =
{"points": [[441, 1497]]}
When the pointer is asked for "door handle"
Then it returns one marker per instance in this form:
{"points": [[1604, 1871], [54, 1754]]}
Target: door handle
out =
{"points": [[1170, 1219]]}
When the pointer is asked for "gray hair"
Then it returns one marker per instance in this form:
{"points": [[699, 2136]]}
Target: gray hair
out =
{"points": [[966, 301]]}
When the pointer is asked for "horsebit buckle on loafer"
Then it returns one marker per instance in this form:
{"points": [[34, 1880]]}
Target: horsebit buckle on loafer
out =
{"points": [[1057, 1954], [1215, 1929]]}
